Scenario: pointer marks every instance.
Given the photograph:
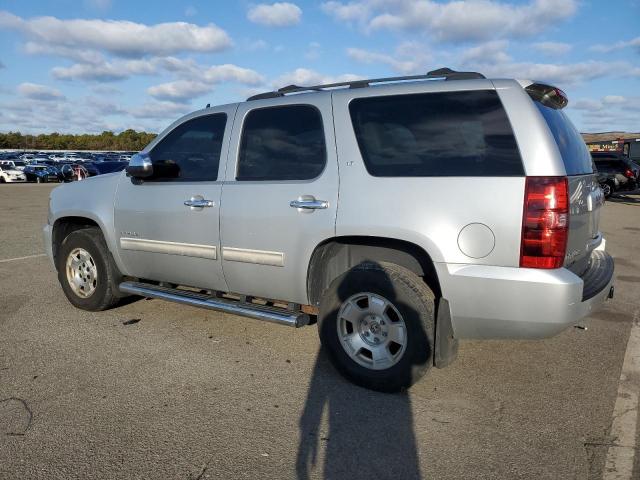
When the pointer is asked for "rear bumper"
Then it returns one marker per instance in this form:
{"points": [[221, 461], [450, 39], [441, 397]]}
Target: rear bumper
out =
{"points": [[507, 302]]}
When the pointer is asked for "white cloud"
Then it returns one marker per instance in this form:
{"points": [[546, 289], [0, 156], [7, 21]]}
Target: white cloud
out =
{"points": [[76, 54], [180, 90], [35, 91], [553, 48], [279, 14], [105, 71], [306, 77], [160, 110], [409, 58], [119, 37], [492, 52], [633, 43], [455, 21], [349, 12], [232, 73]]}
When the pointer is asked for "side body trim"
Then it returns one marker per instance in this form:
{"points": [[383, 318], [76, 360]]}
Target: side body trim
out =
{"points": [[171, 248], [260, 257]]}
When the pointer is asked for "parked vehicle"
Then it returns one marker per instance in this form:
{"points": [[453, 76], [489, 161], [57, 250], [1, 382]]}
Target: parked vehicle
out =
{"points": [[629, 147], [10, 174], [622, 174], [41, 173], [337, 204], [15, 164]]}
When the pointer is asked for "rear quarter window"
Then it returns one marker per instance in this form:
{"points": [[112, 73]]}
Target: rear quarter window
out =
{"points": [[574, 152], [435, 134]]}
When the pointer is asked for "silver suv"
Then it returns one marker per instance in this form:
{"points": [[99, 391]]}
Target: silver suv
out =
{"points": [[399, 214]]}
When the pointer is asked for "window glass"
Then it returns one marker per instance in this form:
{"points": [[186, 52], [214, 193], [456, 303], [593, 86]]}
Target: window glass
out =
{"points": [[190, 152], [282, 143], [574, 152], [435, 134]]}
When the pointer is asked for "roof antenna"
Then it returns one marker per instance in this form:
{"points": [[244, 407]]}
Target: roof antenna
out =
{"points": [[208, 105]]}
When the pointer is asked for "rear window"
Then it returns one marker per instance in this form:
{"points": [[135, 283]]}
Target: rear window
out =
{"points": [[574, 152], [436, 134]]}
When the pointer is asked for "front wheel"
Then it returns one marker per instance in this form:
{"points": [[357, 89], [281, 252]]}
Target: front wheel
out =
{"points": [[85, 271], [376, 322], [607, 190]]}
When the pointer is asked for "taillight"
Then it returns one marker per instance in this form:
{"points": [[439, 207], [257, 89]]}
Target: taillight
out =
{"points": [[545, 222], [629, 174]]}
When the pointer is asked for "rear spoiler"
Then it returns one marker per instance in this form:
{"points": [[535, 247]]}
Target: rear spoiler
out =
{"points": [[547, 95]]}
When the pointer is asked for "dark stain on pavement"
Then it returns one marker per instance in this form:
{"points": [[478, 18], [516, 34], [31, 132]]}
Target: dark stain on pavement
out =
{"points": [[15, 416]]}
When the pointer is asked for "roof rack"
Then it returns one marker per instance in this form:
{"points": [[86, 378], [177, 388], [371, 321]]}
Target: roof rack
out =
{"points": [[445, 73]]}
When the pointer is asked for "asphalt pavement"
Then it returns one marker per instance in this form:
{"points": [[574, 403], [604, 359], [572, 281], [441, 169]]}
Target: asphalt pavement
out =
{"points": [[158, 390]]}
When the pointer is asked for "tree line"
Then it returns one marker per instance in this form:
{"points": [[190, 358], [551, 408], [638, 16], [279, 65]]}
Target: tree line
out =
{"points": [[126, 140]]}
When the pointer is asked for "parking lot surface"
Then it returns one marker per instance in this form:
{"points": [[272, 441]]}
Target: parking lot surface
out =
{"points": [[158, 390]]}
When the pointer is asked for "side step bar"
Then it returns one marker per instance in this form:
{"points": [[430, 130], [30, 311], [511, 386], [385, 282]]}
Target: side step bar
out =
{"points": [[195, 299]]}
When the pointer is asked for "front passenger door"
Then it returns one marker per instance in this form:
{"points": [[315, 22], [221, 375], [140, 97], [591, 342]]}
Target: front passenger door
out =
{"points": [[168, 225]]}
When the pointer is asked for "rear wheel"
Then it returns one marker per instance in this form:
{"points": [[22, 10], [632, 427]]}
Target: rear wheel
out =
{"points": [[606, 189], [85, 271], [376, 322]]}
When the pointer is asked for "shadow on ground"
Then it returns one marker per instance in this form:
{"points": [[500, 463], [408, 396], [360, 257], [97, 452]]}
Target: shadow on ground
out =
{"points": [[366, 434]]}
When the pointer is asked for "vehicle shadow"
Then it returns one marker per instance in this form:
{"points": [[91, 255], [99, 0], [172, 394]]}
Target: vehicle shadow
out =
{"points": [[350, 432], [366, 434], [624, 199]]}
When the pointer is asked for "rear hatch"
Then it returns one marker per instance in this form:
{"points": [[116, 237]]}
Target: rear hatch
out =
{"points": [[585, 196]]}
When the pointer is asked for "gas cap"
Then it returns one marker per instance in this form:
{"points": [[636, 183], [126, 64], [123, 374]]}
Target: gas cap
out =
{"points": [[476, 240]]}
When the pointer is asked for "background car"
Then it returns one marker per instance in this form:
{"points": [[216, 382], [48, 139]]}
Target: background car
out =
{"points": [[616, 171], [41, 173], [11, 175]]}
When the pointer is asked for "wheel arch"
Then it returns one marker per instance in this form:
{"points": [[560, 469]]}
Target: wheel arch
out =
{"points": [[63, 226], [335, 256]]}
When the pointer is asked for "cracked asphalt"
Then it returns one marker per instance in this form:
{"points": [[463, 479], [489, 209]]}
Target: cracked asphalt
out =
{"points": [[187, 393]]}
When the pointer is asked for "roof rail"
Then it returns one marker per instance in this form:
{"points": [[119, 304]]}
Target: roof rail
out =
{"points": [[445, 73]]}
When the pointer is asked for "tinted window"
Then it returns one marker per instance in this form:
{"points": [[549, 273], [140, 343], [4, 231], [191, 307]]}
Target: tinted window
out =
{"points": [[573, 150], [282, 143], [634, 150], [190, 152], [435, 134]]}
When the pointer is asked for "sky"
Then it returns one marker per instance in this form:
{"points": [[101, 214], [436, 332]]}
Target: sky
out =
{"points": [[85, 66]]}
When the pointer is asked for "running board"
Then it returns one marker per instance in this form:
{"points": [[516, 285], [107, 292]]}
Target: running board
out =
{"points": [[259, 312]]}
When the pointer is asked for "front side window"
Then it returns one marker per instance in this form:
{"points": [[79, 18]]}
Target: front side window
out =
{"points": [[282, 143], [435, 134], [190, 152]]}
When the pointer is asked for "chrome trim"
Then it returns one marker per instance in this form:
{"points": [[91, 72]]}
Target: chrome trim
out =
{"points": [[199, 203], [309, 204], [259, 257], [258, 312], [170, 248]]}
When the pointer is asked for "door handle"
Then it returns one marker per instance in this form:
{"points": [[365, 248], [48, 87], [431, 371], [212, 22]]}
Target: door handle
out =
{"points": [[199, 203], [309, 204]]}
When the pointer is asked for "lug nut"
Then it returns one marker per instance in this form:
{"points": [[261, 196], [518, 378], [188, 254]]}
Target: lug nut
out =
{"points": [[376, 339], [384, 334]]}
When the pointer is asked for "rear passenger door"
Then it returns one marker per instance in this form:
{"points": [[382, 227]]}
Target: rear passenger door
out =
{"points": [[280, 196]]}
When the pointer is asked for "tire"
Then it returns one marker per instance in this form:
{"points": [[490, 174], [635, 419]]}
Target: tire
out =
{"points": [[2, 180], [607, 190], [410, 302], [100, 288]]}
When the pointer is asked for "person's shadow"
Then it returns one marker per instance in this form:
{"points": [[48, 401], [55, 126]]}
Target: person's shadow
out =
{"points": [[366, 435]]}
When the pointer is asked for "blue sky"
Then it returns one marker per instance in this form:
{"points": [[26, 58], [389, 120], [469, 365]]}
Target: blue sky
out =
{"points": [[94, 65]]}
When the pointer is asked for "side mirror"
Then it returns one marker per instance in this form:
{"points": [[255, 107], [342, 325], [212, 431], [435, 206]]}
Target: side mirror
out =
{"points": [[140, 166], [67, 173]]}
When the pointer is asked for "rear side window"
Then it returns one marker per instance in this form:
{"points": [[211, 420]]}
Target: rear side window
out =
{"points": [[191, 151], [436, 134], [574, 152], [282, 143]]}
